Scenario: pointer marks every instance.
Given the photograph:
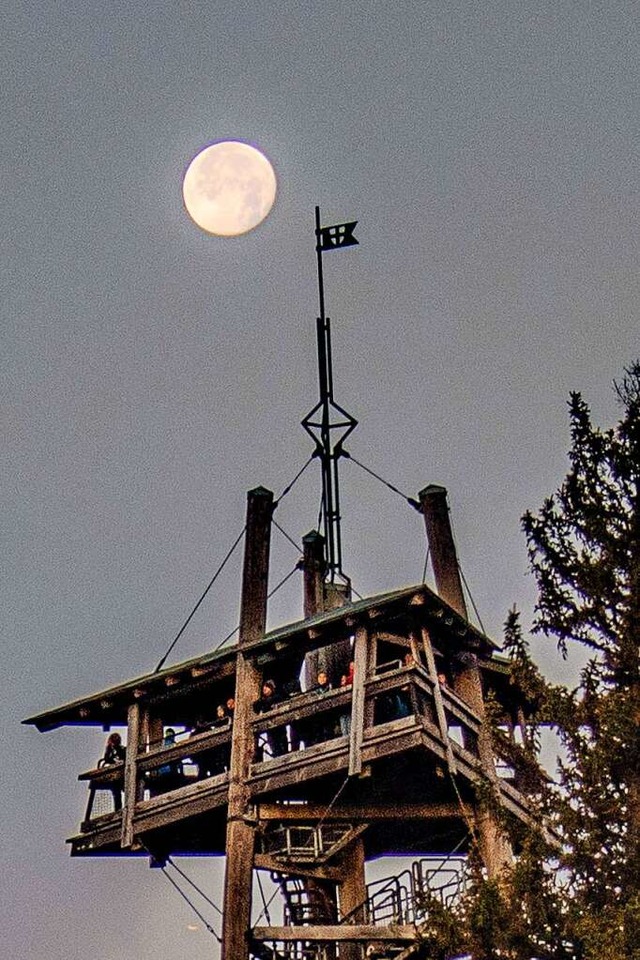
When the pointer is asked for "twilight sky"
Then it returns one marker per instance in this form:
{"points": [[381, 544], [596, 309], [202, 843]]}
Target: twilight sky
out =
{"points": [[153, 374]]}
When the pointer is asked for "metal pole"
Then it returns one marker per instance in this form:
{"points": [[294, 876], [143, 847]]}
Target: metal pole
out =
{"points": [[319, 424]]}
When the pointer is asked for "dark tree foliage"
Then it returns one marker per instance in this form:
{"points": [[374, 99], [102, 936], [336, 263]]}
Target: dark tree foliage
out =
{"points": [[584, 547], [584, 544], [521, 915], [573, 891]]}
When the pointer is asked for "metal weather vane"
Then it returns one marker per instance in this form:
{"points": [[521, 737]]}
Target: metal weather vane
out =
{"points": [[328, 423]]}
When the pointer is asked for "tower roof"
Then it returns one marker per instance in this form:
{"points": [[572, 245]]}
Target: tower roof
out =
{"points": [[109, 706]]}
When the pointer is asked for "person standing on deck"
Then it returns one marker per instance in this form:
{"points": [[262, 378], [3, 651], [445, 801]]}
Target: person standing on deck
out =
{"points": [[114, 752]]}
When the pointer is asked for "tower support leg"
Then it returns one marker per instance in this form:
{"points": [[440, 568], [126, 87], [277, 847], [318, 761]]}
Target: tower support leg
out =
{"points": [[240, 845], [352, 891]]}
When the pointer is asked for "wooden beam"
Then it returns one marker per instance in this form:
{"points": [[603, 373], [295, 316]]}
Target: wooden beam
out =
{"points": [[188, 801], [130, 774], [360, 662], [240, 844], [263, 861], [312, 763], [312, 812], [495, 849], [437, 698], [352, 893], [313, 569], [382, 740], [143, 732], [160, 755], [301, 706], [348, 840], [435, 509], [333, 933]]}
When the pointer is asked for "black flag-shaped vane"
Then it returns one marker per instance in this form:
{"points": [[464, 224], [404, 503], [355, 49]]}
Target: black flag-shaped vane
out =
{"points": [[340, 235]]}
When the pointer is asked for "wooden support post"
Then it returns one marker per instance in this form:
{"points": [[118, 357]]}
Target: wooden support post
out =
{"points": [[352, 892], [467, 682], [155, 731], [143, 733], [446, 572], [495, 849], [313, 567], [240, 845], [360, 661], [320, 596], [130, 774]]}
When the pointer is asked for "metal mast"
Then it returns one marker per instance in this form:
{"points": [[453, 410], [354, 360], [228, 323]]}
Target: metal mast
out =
{"points": [[328, 423]]}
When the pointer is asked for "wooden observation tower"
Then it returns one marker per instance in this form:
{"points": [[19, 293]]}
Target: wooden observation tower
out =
{"points": [[354, 733]]}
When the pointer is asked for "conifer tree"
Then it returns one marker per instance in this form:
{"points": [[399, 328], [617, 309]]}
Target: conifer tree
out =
{"points": [[520, 915], [579, 900], [584, 547]]}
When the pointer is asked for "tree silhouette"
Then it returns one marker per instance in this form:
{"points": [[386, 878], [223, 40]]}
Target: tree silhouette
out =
{"points": [[584, 547]]}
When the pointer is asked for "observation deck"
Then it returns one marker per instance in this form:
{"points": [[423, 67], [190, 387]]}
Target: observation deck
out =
{"points": [[406, 741]]}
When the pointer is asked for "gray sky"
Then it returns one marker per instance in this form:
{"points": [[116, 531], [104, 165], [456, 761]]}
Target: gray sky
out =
{"points": [[153, 374]]}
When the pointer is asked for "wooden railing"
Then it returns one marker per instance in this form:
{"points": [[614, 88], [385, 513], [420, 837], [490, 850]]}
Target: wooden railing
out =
{"points": [[180, 759], [395, 692]]}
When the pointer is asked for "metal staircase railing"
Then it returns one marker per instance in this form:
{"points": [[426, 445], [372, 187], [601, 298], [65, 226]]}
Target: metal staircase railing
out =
{"points": [[404, 898], [447, 884], [400, 899]]}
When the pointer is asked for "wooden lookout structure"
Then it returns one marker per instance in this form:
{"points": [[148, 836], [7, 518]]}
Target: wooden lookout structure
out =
{"points": [[356, 732], [396, 761]]}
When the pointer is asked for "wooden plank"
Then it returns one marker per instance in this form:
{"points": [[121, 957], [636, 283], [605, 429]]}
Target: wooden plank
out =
{"points": [[322, 871], [360, 661], [103, 835], [184, 749], [302, 706], [104, 775], [130, 774], [156, 730], [170, 808], [347, 841], [313, 568], [157, 756], [312, 812], [461, 710], [389, 680], [383, 740], [334, 933], [396, 736], [144, 728], [313, 763]]}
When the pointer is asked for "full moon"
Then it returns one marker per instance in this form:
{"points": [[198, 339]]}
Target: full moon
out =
{"points": [[229, 188]]}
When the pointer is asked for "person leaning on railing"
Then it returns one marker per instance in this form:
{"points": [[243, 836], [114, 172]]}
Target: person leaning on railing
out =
{"points": [[276, 738], [114, 752]]}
